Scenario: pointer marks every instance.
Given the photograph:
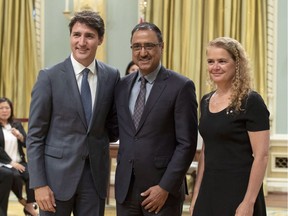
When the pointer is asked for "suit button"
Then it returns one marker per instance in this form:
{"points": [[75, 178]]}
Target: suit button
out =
{"points": [[130, 161]]}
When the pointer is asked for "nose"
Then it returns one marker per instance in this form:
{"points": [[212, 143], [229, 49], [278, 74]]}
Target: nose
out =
{"points": [[143, 51], [215, 65], [82, 40]]}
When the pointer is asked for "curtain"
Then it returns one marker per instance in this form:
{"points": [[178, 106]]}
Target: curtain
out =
{"points": [[188, 26], [19, 63]]}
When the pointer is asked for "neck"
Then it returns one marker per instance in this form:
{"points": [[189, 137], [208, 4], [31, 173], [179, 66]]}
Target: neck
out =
{"points": [[223, 90], [3, 122]]}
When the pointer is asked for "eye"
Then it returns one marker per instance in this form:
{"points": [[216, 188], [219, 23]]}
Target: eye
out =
{"points": [[210, 62], [90, 36], [149, 46], [136, 47], [76, 34], [222, 62]]}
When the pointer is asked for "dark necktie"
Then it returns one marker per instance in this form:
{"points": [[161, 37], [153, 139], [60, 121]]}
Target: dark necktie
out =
{"points": [[140, 103], [86, 95]]}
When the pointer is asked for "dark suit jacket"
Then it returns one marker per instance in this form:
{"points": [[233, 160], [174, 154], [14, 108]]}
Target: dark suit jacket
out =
{"points": [[4, 157], [162, 148], [59, 139]]}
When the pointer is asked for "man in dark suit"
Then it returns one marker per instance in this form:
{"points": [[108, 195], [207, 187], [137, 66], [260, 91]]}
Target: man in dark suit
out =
{"points": [[70, 127], [157, 145]]}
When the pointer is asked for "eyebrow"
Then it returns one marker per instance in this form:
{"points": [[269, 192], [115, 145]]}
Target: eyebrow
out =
{"points": [[85, 33]]}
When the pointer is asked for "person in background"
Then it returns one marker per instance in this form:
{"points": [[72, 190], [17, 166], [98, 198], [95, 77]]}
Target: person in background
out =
{"points": [[12, 157], [156, 148], [6, 180], [234, 125], [131, 67], [72, 120]]}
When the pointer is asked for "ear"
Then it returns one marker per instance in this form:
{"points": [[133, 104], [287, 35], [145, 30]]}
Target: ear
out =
{"points": [[100, 41], [162, 47]]}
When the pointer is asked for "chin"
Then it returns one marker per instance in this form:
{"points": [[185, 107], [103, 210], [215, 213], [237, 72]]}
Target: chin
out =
{"points": [[144, 67]]}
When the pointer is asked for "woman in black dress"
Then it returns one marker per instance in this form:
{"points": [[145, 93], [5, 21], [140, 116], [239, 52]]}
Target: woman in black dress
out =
{"points": [[12, 157], [234, 125]]}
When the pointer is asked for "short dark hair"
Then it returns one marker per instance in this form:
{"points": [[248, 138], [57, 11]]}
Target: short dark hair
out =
{"points": [[91, 19], [131, 63], [11, 117], [148, 26]]}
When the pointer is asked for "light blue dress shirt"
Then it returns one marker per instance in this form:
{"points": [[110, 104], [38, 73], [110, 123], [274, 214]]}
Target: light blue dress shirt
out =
{"points": [[136, 87]]}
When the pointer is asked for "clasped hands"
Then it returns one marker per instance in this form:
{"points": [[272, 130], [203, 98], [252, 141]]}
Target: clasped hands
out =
{"points": [[155, 198]]}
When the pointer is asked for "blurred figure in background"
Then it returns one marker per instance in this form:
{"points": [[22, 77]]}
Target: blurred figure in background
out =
{"points": [[131, 67], [12, 157], [6, 179]]}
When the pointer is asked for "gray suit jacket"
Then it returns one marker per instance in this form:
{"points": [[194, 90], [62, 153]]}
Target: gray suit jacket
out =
{"points": [[59, 140], [161, 150]]}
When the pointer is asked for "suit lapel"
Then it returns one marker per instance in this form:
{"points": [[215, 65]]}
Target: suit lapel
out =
{"points": [[72, 87], [102, 79], [156, 91]]}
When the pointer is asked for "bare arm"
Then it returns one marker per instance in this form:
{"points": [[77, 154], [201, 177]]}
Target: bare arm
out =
{"points": [[260, 146], [199, 176]]}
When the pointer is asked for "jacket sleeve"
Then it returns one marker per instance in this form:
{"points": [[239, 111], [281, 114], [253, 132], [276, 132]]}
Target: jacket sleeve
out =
{"points": [[186, 129]]}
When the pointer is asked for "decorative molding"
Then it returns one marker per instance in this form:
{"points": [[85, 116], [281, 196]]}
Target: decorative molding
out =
{"points": [[142, 5], [279, 140], [276, 184], [278, 152], [279, 162], [80, 5], [39, 29], [279, 137], [271, 57]]}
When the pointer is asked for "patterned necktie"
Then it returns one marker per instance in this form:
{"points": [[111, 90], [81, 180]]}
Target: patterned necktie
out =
{"points": [[140, 103], [86, 95]]}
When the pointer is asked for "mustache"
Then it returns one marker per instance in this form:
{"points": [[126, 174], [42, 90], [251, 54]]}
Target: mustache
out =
{"points": [[144, 58]]}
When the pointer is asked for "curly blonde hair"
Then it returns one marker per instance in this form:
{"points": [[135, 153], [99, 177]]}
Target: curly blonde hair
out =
{"points": [[241, 83]]}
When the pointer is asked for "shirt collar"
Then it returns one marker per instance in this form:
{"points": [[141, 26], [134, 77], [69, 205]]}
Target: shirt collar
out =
{"points": [[151, 76], [78, 68]]}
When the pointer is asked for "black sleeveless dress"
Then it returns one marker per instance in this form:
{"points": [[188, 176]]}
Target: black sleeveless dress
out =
{"points": [[229, 157]]}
